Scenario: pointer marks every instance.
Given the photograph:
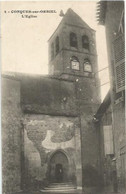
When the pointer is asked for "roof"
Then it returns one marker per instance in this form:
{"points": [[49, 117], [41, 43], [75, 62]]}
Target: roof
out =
{"points": [[103, 107], [74, 19], [71, 18], [103, 6], [101, 12], [20, 76]]}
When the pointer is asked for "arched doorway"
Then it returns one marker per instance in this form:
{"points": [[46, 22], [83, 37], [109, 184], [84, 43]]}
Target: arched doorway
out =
{"points": [[58, 168]]}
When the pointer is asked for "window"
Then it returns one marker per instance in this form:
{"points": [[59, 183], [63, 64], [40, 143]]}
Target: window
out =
{"points": [[57, 44], [85, 42], [52, 51], [108, 139], [119, 62], [87, 66], [73, 40], [75, 63]]}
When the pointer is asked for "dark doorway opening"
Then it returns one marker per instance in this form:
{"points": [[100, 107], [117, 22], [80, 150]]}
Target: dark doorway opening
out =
{"points": [[59, 173], [58, 168]]}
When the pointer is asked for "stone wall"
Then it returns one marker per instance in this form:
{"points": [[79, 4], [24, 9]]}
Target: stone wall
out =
{"points": [[120, 145], [51, 123], [57, 117], [44, 135], [45, 95], [112, 161], [88, 102], [114, 11], [90, 151], [11, 135], [107, 165]]}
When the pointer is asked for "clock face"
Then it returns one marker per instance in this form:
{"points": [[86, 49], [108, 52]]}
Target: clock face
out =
{"points": [[87, 67], [75, 65]]}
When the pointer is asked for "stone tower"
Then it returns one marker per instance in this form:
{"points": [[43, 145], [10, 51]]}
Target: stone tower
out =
{"points": [[72, 47], [73, 56]]}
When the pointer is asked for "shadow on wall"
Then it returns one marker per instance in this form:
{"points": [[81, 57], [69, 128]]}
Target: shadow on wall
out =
{"points": [[31, 183], [91, 177]]}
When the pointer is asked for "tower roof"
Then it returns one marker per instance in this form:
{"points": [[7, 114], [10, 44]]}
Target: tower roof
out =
{"points": [[74, 19]]}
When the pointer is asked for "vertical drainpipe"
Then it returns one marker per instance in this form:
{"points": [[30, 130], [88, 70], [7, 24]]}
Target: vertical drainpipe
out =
{"points": [[79, 116]]}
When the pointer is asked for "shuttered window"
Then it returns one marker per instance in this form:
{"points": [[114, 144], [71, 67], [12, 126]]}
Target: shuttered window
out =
{"points": [[119, 62]]}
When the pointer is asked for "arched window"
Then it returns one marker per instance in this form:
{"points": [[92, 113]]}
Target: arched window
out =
{"points": [[57, 44], [87, 66], [52, 51], [73, 40], [75, 63], [85, 42]]}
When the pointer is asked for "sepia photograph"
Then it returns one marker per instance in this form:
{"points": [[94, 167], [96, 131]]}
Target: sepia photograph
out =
{"points": [[63, 97]]}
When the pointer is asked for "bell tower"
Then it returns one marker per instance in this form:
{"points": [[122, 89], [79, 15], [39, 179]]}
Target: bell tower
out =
{"points": [[73, 57], [72, 48]]}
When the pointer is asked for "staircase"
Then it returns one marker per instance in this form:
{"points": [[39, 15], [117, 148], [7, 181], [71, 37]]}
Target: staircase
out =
{"points": [[59, 188]]}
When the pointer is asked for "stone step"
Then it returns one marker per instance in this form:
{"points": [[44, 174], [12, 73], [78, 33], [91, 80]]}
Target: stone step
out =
{"points": [[61, 183], [72, 191], [56, 184], [59, 188]]}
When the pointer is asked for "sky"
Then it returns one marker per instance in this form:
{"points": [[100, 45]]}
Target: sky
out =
{"points": [[24, 41]]}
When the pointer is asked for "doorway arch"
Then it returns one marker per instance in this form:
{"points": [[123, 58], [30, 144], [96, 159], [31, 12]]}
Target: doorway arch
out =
{"points": [[58, 167]]}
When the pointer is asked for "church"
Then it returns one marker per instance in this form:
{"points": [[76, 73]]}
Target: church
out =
{"points": [[49, 136]]}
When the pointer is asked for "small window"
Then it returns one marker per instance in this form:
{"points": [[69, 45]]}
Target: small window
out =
{"points": [[75, 63], [85, 42], [73, 40], [87, 66], [57, 44], [52, 51]]}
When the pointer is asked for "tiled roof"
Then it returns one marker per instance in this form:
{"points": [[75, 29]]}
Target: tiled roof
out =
{"points": [[72, 18], [101, 11]]}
